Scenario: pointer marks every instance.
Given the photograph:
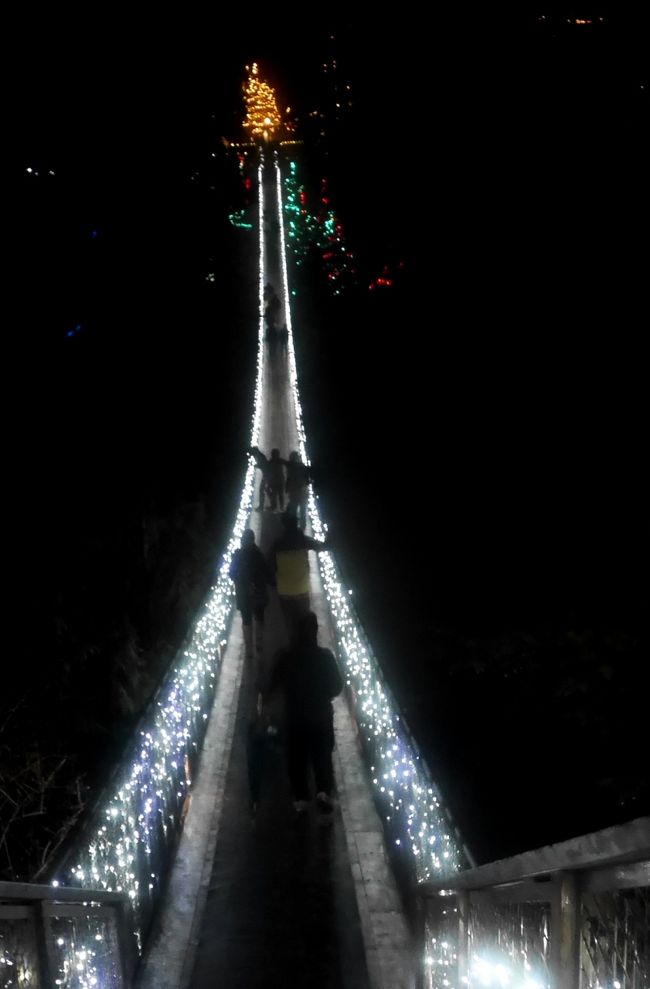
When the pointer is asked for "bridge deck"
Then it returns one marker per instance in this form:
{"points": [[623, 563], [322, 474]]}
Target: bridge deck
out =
{"points": [[270, 899], [281, 907]]}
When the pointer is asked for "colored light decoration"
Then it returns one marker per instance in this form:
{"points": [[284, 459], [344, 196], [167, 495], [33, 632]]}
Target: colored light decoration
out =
{"points": [[238, 219], [382, 281], [321, 231], [263, 119], [301, 224]]}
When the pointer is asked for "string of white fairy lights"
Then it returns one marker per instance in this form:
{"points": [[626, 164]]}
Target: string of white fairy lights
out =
{"points": [[410, 800], [127, 851]]}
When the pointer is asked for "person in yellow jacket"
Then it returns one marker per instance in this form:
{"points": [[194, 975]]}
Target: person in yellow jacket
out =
{"points": [[290, 562]]}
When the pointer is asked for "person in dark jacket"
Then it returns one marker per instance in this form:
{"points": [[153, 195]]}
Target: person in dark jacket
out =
{"points": [[261, 462], [297, 487], [308, 676], [272, 483], [251, 573]]}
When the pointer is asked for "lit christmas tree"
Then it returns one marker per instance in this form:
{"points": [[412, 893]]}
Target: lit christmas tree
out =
{"points": [[263, 119]]}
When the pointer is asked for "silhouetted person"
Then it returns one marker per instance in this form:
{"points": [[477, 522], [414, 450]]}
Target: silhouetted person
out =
{"points": [[290, 563], [261, 462], [251, 573], [275, 480], [271, 337], [309, 678], [272, 308], [272, 483], [297, 487]]}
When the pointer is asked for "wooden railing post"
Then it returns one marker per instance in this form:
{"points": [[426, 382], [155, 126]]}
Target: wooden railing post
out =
{"points": [[44, 945], [462, 904], [565, 932], [420, 908], [121, 916]]}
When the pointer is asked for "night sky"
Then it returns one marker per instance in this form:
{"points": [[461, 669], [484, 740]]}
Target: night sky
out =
{"points": [[477, 428]]}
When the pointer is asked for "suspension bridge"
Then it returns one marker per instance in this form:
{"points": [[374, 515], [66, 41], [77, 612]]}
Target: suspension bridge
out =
{"points": [[175, 882]]}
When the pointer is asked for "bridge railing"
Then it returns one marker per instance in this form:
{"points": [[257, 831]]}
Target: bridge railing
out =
{"points": [[126, 843], [70, 938], [123, 848], [422, 835], [415, 816], [575, 915]]}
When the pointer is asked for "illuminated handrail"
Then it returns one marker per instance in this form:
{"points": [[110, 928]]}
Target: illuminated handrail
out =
{"points": [[96, 951], [128, 840], [572, 914], [410, 802]]}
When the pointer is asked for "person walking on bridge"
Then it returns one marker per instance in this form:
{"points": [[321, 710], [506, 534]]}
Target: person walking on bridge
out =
{"points": [[290, 562], [250, 573], [272, 483], [308, 676], [297, 488], [261, 462]]}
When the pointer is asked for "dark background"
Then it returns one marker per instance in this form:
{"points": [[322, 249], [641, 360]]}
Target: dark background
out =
{"points": [[477, 428]]}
